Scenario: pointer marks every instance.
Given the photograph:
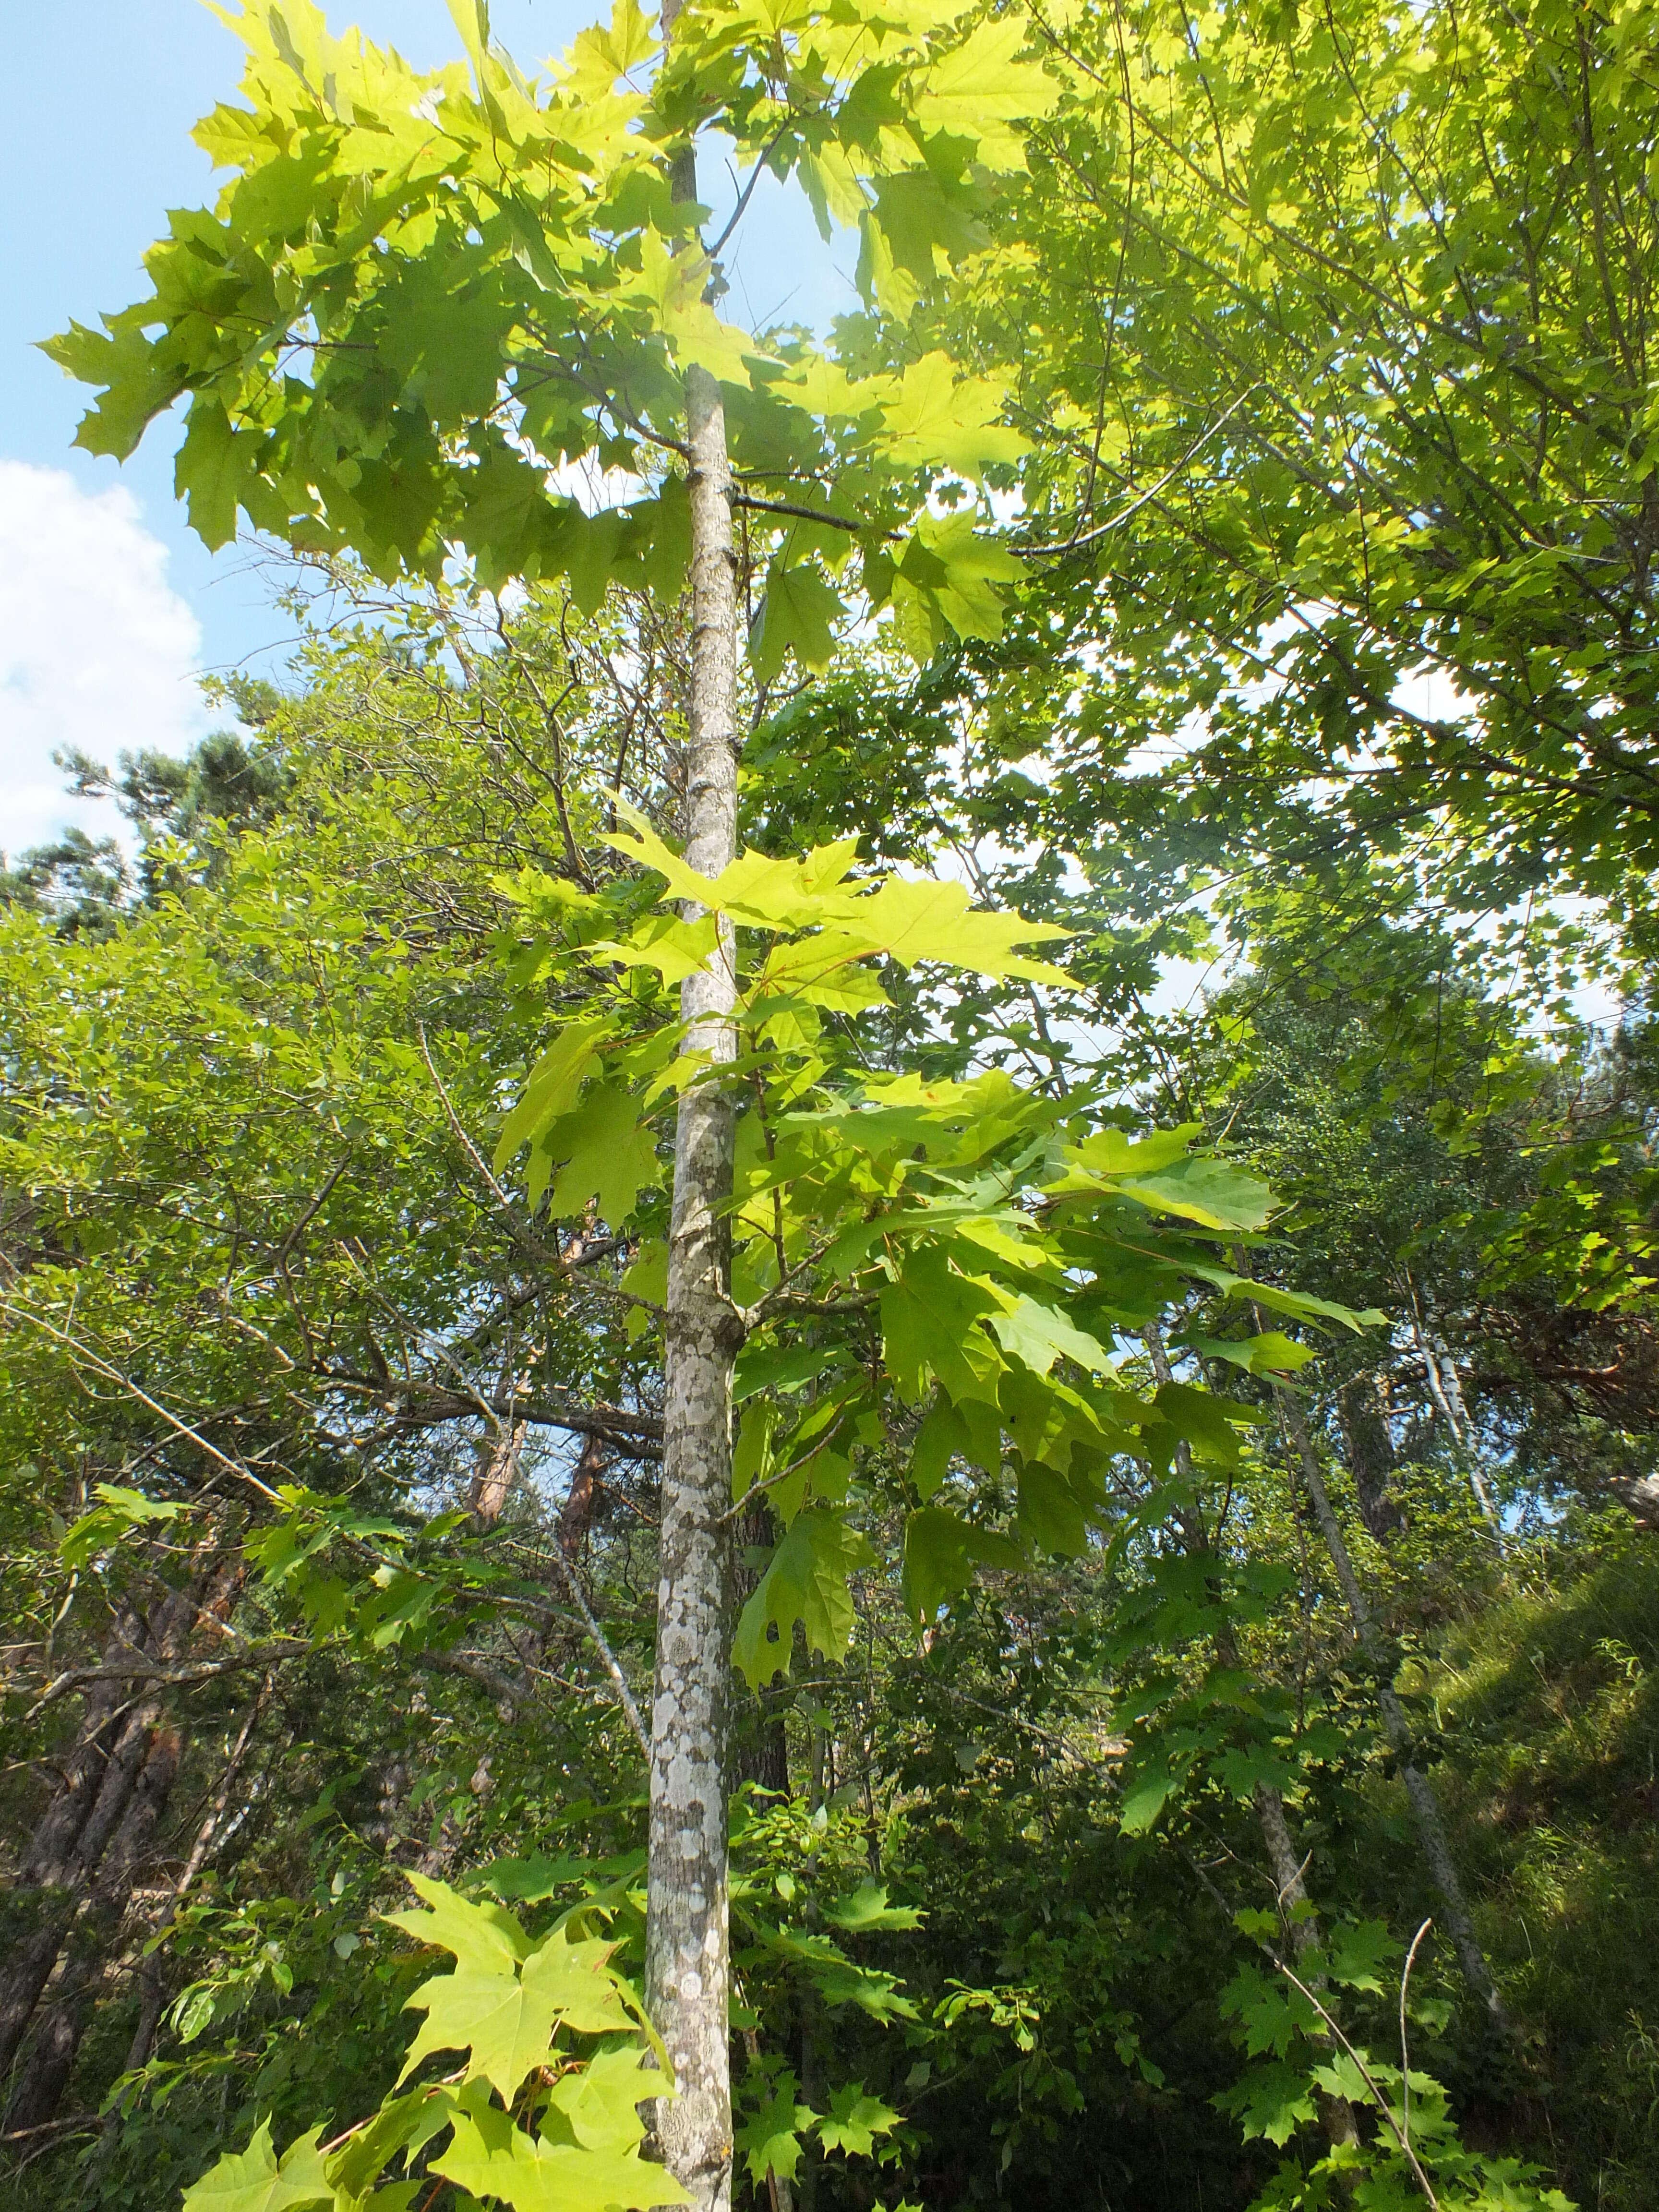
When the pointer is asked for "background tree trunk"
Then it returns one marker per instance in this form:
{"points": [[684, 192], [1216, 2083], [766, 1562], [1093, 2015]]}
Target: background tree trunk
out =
{"points": [[497, 1464], [1432, 1839], [87, 1810], [577, 1515], [760, 1737], [45, 2076], [1369, 1450], [1296, 1907]]}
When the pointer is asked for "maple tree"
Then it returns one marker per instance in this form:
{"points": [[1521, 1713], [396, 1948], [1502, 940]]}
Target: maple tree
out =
{"points": [[530, 276], [818, 1180]]}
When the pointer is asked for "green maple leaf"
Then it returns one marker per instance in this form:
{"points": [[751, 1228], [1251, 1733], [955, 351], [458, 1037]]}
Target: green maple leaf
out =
{"points": [[913, 919], [1039, 1335], [937, 419], [502, 2014], [950, 568], [577, 1978], [867, 1908], [973, 1429], [940, 1555], [928, 1321], [1213, 1193], [506, 2027], [404, 2124], [1271, 2100], [1110, 1153], [915, 211], [256, 2180], [1208, 1422], [606, 1149], [109, 1521], [447, 329], [1268, 1353], [838, 1981], [512, 527], [788, 894], [798, 615], [977, 92], [483, 1937], [770, 2139], [218, 466], [140, 380], [676, 948], [551, 1087], [855, 2120], [1147, 1792], [491, 2157], [600, 2101], [806, 1580]]}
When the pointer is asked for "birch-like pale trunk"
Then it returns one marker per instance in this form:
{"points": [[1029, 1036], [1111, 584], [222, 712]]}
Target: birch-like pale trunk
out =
{"points": [[687, 1968], [1440, 1373], [1296, 1907], [1426, 1817], [687, 1960]]}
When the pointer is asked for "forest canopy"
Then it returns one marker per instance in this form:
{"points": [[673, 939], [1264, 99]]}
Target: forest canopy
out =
{"points": [[827, 1327]]}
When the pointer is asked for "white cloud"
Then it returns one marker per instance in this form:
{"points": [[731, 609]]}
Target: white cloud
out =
{"points": [[96, 649]]}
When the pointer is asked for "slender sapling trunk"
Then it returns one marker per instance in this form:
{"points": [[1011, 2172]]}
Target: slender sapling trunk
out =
{"points": [[687, 1962]]}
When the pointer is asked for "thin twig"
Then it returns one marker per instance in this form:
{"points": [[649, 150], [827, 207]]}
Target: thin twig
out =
{"points": [[759, 1489], [747, 193], [1405, 2055], [202, 1670], [1377, 2097], [612, 1665], [1104, 530], [312, 1210], [522, 1229], [850, 524], [111, 1374]]}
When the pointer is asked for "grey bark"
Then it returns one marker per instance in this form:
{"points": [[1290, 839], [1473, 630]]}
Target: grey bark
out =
{"points": [[687, 1949], [1369, 1450], [1296, 1907], [1432, 1838], [58, 1830], [61, 1876], [51, 2059], [1440, 1372], [1640, 1495], [67, 1849], [152, 1988], [60, 1872]]}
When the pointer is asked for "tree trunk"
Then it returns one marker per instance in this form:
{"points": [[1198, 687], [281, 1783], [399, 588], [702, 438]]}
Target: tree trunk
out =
{"points": [[45, 2076], [687, 1964], [151, 1975], [1440, 1373], [496, 1467], [1369, 1451], [1296, 1907], [577, 1515], [52, 1848], [1432, 1838], [67, 1849], [63, 1881]]}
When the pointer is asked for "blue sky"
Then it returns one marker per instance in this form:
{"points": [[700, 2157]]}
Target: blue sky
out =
{"points": [[111, 607]]}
